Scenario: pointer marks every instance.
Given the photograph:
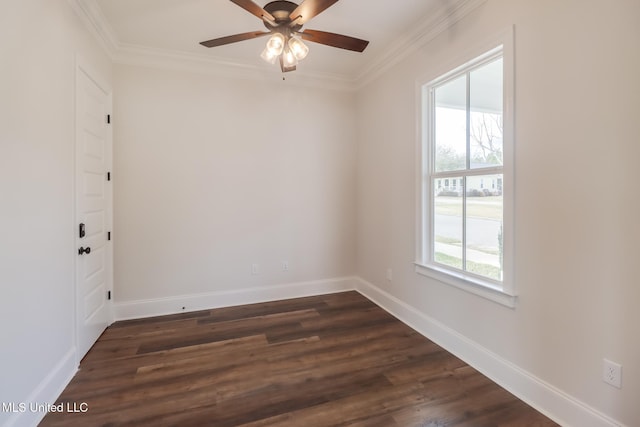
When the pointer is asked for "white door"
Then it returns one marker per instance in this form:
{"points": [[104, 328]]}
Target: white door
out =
{"points": [[93, 210]]}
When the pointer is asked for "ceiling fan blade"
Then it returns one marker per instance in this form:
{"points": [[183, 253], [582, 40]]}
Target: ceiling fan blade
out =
{"points": [[308, 9], [235, 38], [254, 9], [335, 40]]}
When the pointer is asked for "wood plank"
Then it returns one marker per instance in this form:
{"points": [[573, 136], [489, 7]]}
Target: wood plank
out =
{"points": [[330, 360]]}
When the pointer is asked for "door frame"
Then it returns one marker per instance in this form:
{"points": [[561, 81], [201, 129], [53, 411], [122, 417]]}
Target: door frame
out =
{"points": [[84, 67]]}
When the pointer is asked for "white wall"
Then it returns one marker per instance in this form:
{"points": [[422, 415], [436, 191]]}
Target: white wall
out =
{"points": [[213, 174], [39, 40], [577, 127]]}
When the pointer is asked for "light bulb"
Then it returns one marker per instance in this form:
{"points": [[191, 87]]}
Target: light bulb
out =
{"points": [[299, 49], [276, 44]]}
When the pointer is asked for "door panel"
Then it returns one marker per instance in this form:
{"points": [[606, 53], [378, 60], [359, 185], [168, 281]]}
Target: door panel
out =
{"points": [[93, 208]]}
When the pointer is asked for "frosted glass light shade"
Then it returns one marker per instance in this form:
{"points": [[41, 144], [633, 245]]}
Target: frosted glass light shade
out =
{"points": [[276, 44], [289, 59], [298, 48], [269, 56]]}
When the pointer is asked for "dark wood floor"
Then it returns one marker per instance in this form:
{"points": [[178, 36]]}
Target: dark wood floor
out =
{"points": [[332, 360]]}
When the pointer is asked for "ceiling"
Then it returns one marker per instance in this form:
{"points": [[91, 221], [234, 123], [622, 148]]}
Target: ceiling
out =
{"points": [[175, 27]]}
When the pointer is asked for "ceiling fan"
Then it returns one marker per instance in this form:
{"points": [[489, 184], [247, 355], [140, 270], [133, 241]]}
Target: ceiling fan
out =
{"points": [[284, 20]]}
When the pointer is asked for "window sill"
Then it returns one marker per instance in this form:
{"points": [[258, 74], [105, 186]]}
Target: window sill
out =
{"points": [[468, 284]]}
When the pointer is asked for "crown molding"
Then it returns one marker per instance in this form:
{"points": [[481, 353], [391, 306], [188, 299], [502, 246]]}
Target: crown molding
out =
{"points": [[129, 54], [91, 15], [94, 20], [411, 41]]}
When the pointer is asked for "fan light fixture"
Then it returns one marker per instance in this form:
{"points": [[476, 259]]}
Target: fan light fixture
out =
{"points": [[290, 49], [284, 20], [274, 48]]}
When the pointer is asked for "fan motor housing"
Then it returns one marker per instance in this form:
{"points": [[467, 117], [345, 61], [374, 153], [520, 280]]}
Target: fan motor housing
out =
{"points": [[281, 11]]}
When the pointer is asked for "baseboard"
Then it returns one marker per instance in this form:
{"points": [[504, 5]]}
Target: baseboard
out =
{"points": [[47, 392], [172, 305], [555, 404]]}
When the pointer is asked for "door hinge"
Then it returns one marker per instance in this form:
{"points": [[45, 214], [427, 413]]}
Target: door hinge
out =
{"points": [[108, 119], [108, 235], [108, 176], [109, 295]]}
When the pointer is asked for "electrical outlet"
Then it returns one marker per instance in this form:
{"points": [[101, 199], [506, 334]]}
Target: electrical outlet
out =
{"points": [[254, 269], [389, 274], [285, 265], [612, 373]]}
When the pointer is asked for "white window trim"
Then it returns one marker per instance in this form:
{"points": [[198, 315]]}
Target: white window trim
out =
{"points": [[502, 43]]}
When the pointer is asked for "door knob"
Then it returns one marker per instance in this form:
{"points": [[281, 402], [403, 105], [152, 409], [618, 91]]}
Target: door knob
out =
{"points": [[82, 250]]}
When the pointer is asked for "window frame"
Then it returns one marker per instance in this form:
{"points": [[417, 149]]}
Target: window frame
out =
{"points": [[501, 45]]}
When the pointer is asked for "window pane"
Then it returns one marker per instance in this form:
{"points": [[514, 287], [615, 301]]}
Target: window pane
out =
{"points": [[447, 223], [484, 226], [451, 125], [486, 115]]}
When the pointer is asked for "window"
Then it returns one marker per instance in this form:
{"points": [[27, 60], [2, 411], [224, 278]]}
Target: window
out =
{"points": [[466, 137]]}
